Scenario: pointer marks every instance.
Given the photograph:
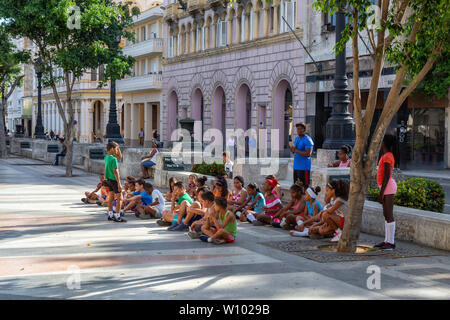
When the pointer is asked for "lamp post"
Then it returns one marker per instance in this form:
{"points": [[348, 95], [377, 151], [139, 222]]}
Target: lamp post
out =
{"points": [[113, 128], [39, 129], [340, 128]]}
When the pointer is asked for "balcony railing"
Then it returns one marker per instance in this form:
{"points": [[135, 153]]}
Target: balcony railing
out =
{"points": [[148, 81], [144, 48], [172, 9]]}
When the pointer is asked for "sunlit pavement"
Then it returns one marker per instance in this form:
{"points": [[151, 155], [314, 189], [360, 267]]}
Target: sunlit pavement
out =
{"points": [[54, 246]]}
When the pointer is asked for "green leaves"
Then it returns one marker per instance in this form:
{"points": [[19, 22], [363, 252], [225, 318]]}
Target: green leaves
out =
{"points": [[74, 50], [417, 193]]}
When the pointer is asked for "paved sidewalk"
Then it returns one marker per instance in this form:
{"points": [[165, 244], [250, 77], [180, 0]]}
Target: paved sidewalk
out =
{"points": [[47, 234]]}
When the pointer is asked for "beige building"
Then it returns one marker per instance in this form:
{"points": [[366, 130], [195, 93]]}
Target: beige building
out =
{"points": [[90, 105], [141, 93]]}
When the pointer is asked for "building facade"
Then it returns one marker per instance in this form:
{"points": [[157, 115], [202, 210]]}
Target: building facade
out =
{"points": [[141, 92], [19, 109], [90, 104], [420, 124], [233, 65]]}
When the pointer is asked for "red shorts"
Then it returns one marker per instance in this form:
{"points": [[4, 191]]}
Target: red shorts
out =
{"points": [[342, 222], [229, 239]]}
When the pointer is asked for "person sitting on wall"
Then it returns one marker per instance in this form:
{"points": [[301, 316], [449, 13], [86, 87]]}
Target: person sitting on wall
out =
{"points": [[344, 158], [61, 154], [149, 161]]}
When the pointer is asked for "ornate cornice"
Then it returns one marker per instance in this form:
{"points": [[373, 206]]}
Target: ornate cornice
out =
{"points": [[235, 47]]}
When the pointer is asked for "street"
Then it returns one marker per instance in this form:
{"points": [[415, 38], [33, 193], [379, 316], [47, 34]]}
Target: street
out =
{"points": [[53, 246]]}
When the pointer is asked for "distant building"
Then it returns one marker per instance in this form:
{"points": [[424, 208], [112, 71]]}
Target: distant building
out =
{"points": [[420, 124], [233, 65], [141, 92]]}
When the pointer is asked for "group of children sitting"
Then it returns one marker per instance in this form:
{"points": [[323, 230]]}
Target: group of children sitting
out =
{"points": [[210, 213], [138, 196]]}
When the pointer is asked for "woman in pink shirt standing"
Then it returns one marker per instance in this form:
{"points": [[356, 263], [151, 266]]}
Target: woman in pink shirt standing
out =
{"points": [[344, 159]]}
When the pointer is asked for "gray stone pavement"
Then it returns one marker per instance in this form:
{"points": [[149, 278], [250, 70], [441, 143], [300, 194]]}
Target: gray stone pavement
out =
{"points": [[49, 240]]}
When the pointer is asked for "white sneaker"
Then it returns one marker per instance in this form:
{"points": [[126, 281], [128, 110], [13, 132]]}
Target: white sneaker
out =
{"points": [[337, 235], [283, 222]]}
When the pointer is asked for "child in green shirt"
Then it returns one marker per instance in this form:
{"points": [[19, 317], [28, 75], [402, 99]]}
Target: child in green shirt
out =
{"points": [[112, 178], [222, 227]]}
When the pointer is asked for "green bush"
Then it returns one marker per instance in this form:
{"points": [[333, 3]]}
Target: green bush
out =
{"points": [[418, 193], [210, 169]]}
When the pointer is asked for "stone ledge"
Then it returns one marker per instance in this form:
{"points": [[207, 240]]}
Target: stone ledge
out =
{"points": [[423, 227]]}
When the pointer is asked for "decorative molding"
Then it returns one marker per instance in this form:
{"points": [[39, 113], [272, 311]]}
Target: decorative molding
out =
{"points": [[235, 47]]}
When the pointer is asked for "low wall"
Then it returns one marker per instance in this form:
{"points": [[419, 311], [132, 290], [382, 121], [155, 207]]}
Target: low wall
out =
{"points": [[423, 227]]}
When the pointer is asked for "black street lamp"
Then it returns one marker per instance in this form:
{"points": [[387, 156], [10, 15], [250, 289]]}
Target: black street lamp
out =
{"points": [[39, 129], [113, 128], [340, 128]]}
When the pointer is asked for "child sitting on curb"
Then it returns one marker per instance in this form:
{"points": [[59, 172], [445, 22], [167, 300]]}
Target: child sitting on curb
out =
{"points": [[331, 218], [192, 185], [294, 207], [238, 196], [92, 197], [253, 205], [221, 227], [311, 209], [170, 217], [169, 195], [154, 209], [273, 205], [207, 202], [194, 212]]}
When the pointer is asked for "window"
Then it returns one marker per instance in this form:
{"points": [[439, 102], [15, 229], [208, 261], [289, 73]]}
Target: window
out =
{"points": [[203, 38], [224, 33], [198, 39], [178, 44], [251, 23], [143, 33], [221, 33], [100, 72], [242, 27], [154, 65], [170, 53], [287, 10], [93, 74]]}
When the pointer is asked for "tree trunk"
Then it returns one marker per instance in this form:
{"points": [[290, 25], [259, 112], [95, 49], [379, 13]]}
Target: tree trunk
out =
{"points": [[350, 234], [358, 186], [69, 145], [3, 149]]}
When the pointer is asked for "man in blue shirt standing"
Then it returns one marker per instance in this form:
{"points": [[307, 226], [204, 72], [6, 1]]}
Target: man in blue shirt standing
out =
{"points": [[302, 149]]}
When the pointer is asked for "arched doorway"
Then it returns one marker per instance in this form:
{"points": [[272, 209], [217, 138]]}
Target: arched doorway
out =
{"points": [[218, 111], [97, 121], [282, 115], [197, 113], [244, 110], [173, 114]]}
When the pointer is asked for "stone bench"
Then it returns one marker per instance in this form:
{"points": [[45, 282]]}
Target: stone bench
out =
{"points": [[52, 148], [25, 145], [96, 154]]}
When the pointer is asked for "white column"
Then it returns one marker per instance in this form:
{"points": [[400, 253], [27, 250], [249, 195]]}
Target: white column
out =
{"points": [[89, 121], [134, 124], [53, 105], [127, 122], [148, 127]]}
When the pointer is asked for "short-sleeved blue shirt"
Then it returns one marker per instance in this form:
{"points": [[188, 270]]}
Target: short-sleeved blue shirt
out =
{"points": [[301, 144], [146, 198]]}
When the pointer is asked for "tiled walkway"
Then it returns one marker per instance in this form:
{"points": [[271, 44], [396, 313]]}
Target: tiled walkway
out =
{"points": [[49, 240]]}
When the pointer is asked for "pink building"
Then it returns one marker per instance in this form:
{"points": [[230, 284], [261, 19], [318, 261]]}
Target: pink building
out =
{"points": [[233, 65]]}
